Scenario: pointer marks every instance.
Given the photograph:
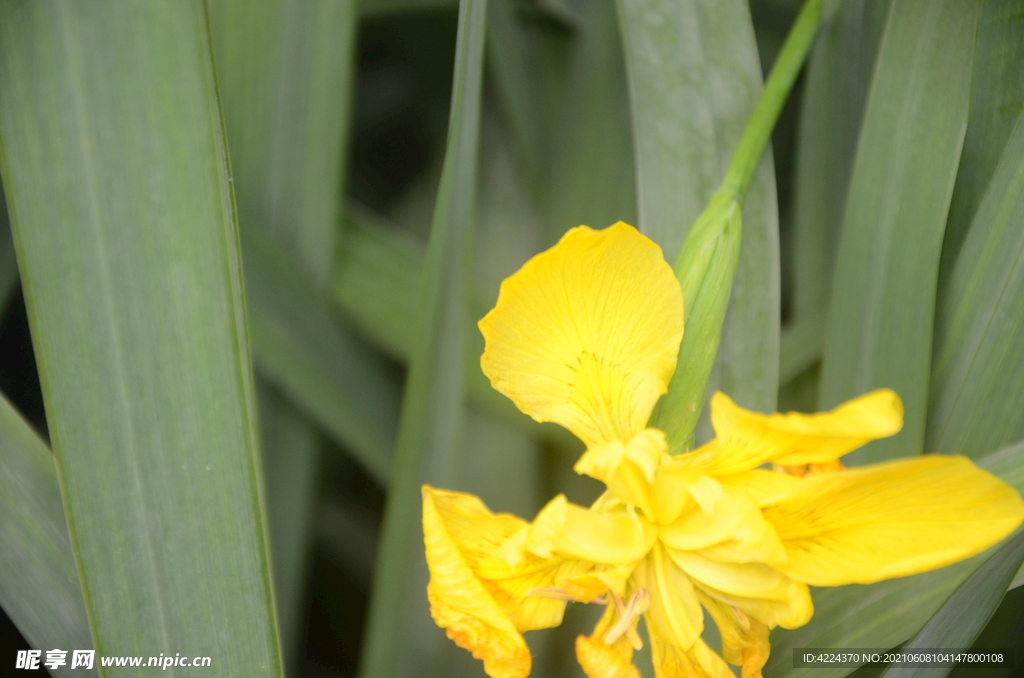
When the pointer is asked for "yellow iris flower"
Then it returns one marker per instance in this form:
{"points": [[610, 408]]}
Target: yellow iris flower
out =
{"points": [[586, 335]]}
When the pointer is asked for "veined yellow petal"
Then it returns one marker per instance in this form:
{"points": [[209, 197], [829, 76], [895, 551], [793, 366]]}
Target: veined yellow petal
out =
{"points": [[602, 660], [744, 639], [696, 661], [744, 440], [759, 590], [514, 588], [459, 603], [763, 488], [675, 614], [733, 531], [892, 519], [586, 334], [575, 532]]}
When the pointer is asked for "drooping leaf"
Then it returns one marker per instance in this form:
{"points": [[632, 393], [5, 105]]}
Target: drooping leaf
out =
{"points": [[882, 308], [122, 215]]}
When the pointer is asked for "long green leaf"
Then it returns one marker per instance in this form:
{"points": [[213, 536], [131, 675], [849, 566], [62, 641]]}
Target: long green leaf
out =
{"points": [[694, 78], [284, 75], [883, 300], [116, 176], [961, 618], [888, 613], [39, 586], [303, 350], [979, 346], [838, 73], [378, 272], [997, 101], [398, 633]]}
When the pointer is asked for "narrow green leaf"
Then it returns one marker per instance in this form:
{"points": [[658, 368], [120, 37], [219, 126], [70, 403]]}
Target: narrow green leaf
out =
{"points": [[116, 177], [8, 260], [588, 157], [883, 300], [962, 617], [291, 467], [694, 79], [376, 278], [284, 75], [978, 373], [838, 74], [997, 100], [888, 613], [374, 8], [800, 346], [301, 348], [398, 633], [39, 587]]}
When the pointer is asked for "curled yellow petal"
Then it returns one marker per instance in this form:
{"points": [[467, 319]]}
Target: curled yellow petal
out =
{"points": [[892, 519], [733, 531], [599, 537], [756, 588], [458, 529], [586, 334], [744, 440], [603, 660], [627, 468], [744, 639]]}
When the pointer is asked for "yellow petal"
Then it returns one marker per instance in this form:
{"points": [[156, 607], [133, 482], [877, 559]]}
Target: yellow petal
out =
{"points": [[459, 603], [602, 660], [627, 468], [675, 613], [744, 440], [759, 590], [733, 531], [697, 661], [744, 639], [586, 334], [763, 488], [893, 519], [600, 537]]}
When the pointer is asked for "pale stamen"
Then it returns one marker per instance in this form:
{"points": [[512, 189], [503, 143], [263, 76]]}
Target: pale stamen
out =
{"points": [[639, 603]]}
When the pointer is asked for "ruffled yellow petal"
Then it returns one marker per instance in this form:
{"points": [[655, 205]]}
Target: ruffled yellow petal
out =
{"points": [[627, 468], [586, 334], [759, 590], [744, 440], [697, 661], [603, 660], [675, 614], [457, 530], [733, 531], [744, 639], [519, 590], [893, 519], [572, 531]]}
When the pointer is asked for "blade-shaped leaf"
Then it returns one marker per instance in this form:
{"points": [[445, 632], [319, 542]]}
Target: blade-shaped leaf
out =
{"points": [[284, 76], [888, 613], [997, 100], [962, 617], [978, 373], [838, 74], [122, 216], [399, 634], [39, 586], [694, 79], [883, 299]]}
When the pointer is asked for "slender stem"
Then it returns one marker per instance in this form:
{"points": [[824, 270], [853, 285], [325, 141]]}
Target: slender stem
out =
{"points": [[780, 81]]}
